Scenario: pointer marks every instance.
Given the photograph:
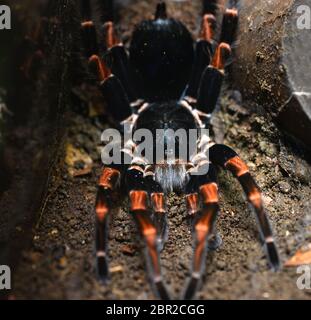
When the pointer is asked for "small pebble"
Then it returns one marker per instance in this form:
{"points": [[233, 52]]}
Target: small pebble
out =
{"points": [[284, 186]]}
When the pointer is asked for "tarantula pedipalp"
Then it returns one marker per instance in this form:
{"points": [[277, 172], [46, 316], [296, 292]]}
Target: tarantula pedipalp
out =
{"points": [[167, 82]]}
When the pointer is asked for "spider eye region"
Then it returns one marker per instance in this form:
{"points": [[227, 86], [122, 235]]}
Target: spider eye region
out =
{"points": [[161, 55]]}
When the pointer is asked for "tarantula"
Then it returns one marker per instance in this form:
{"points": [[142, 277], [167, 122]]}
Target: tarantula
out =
{"points": [[167, 81]]}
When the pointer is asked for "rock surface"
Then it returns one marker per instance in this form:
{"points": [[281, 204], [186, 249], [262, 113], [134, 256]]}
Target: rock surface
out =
{"points": [[272, 62]]}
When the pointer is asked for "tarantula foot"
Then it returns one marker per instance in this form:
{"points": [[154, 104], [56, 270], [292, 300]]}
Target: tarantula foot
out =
{"points": [[161, 290], [160, 243], [273, 256], [192, 287], [160, 221], [102, 269], [214, 242]]}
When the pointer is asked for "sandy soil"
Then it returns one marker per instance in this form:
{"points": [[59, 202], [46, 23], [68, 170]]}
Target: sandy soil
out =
{"points": [[59, 264]]}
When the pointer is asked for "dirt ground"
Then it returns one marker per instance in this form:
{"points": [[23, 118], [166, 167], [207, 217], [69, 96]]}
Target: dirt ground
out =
{"points": [[59, 264]]}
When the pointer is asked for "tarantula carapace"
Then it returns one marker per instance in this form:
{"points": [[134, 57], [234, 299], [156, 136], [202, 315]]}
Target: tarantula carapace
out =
{"points": [[167, 81]]}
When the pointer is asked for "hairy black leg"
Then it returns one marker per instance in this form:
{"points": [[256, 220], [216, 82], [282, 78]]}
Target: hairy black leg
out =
{"points": [[210, 6], [212, 80], [229, 26], [204, 226], [209, 90], [117, 101], [89, 38], [138, 196], [120, 67], [108, 183], [228, 159], [86, 10], [106, 8], [201, 61], [117, 58]]}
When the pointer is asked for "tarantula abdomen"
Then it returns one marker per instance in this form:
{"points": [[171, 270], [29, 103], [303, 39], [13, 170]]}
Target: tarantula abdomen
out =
{"points": [[161, 54]]}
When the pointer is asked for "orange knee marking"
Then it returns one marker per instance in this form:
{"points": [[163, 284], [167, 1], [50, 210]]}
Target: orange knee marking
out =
{"points": [[255, 198], [138, 200], [102, 210], [150, 233], [232, 12], [87, 24], [192, 203], [204, 224], [109, 178], [209, 193], [207, 30], [202, 229], [102, 71], [147, 229], [158, 202], [198, 256], [221, 55], [151, 238], [237, 166], [111, 39]]}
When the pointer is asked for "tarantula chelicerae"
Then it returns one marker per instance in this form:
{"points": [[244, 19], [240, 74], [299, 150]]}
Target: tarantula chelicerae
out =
{"points": [[167, 82]]}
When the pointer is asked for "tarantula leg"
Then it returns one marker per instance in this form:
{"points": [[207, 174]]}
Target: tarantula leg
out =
{"points": [[193, 208], [106, 8], [229, 160], [201, 61], [117, 58], [221, 55], [109, 36], [120, 68], [116, 98], [98, 68], [86, 10], [157, 199], [212, 79], [159, 217], [108, 182], [89, 38], [204, 228], [229, 26], [209, 89], [96, 65], [203, 51], [208, 27], [139, 210], [210, 6]]}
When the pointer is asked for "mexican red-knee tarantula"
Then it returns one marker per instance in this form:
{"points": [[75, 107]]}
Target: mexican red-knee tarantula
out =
{"points": [[167, 82]]}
